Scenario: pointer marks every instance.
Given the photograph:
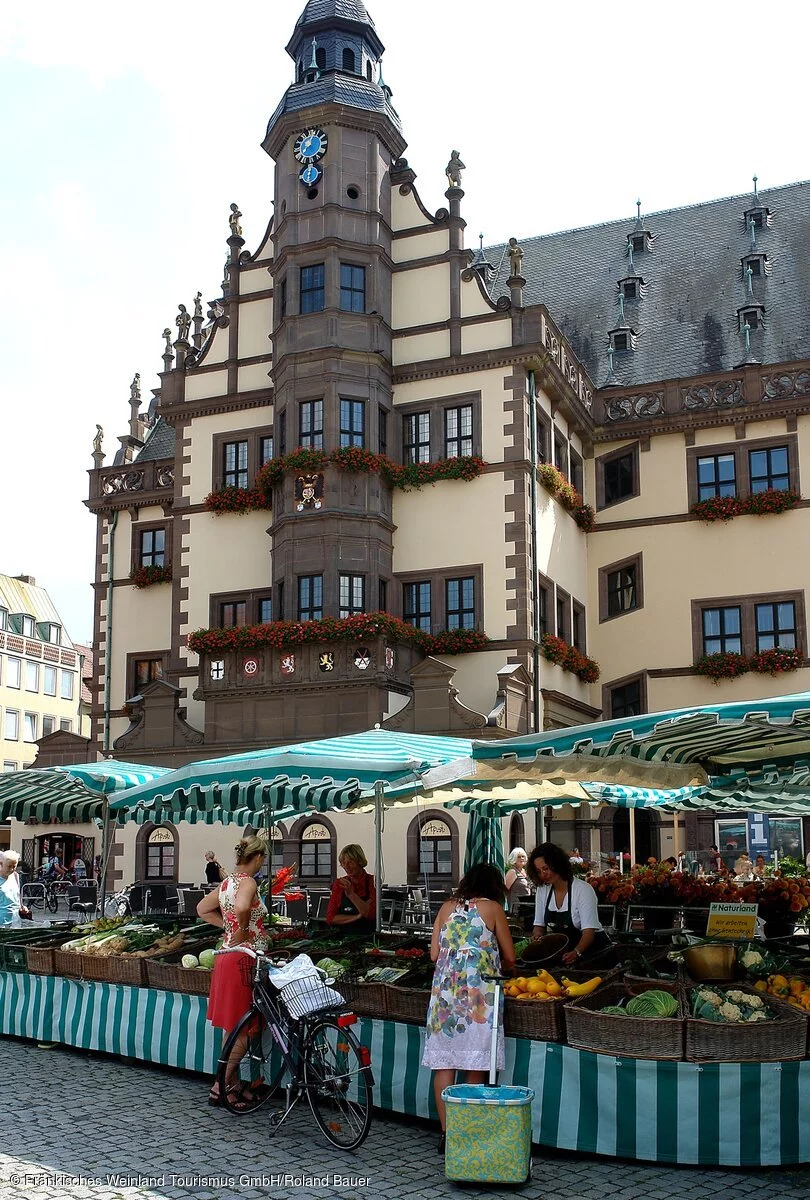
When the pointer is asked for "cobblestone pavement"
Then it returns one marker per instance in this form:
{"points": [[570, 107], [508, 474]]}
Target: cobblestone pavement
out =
{"points": [[97, 1128]]}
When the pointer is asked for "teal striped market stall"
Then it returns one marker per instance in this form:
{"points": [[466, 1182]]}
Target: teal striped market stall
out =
{"points": [[729, 1114]]}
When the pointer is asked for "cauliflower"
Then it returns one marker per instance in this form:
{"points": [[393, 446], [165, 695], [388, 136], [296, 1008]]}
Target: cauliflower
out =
{"points": [[737, 997], [757, 1016], [730, 1012], [710, 996], [752, 958], [753, 1001]]}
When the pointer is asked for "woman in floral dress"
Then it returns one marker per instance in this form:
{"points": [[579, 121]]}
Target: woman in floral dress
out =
{"points": [[471, 939]]}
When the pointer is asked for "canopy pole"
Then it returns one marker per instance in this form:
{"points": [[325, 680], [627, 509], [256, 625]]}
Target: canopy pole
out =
{"points": [[378, 815], [676, 834], [632, 813], [106, 848]]}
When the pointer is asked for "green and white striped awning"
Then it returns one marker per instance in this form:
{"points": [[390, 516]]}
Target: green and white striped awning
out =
{"points": [[69, 793], [283, 781], [484, 842], [589, 794], [719, 736], [769, 790]]}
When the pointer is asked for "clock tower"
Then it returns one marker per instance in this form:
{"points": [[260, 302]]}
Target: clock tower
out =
{"points": [[334, 138]]}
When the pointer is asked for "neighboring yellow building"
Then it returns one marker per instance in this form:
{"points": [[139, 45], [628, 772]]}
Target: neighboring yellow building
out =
{"points": [[41, 672], [502, 451]]}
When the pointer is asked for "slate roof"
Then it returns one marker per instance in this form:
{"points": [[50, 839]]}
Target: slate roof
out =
{"points": [[686, 323], [159, 443], [335, 88], [325, 10]]}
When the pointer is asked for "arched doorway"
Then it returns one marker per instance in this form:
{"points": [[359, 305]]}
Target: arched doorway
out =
{"points": [[646, 835], [517, 832], [156, 853]]}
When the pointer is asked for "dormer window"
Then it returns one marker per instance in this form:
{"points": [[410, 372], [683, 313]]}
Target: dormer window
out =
{"points": [[758, 264], [639, 242], [369, 71], [320, 59], [753, 317], [621, 339], [759, 216], [349, 61], [632, 288]]}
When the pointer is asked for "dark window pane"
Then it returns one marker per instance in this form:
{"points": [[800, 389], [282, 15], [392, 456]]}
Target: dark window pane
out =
{"points": [[717, 476], [461, 603], [147, 670], [769, 469], [625, 701], [312, 288], [352, 288], [310, 597], [232, 614], [619, 476], [382, 596], [416, 605], [310, 424], [458, 431], [235, 464], [382, 430], [722, 630], [776, 626], [265, 610], [153, 547], [265, 450], [352, 423], [416, 437], [352, 589], [622, 590]]}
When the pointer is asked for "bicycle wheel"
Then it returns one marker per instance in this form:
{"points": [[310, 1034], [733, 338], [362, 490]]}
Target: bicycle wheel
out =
{"points": [[257, 1062], [51, 900], [33, 895], [338, 1083]]}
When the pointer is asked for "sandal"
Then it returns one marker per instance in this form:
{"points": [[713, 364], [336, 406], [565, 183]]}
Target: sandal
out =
{"points": [[214, 1099], [239, 1099]]}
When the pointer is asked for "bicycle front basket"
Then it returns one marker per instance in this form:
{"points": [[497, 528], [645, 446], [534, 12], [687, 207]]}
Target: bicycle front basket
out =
{"points": [[309, 995]]}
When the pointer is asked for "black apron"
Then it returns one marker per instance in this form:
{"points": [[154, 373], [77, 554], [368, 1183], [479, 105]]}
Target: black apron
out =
{"points": [[562, 922], [362, 924]]}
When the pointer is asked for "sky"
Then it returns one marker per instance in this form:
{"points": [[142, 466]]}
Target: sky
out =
{"points": [[127, 130]]}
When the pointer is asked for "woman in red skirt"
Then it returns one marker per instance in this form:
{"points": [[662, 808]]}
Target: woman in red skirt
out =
{"points": [[235, 907]]}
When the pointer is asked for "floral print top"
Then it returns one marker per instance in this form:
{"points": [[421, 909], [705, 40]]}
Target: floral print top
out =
{"points": [[459, 1020], [256, 936]]}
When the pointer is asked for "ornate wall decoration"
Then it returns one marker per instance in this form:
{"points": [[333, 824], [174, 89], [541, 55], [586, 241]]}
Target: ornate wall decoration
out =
{"points": [[725, 394], [122, 481], [785, 384], [308, 491], [626, 408]]}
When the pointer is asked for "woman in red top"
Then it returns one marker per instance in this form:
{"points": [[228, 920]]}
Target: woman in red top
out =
{"points": [[235, 906], [353, 902]]}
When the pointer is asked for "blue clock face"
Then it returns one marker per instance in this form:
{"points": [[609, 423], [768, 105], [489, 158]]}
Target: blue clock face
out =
{"points": [[310, 145], [310, 175]]}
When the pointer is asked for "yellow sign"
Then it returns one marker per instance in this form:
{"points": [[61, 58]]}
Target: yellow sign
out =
{"points": [[732, 921]]}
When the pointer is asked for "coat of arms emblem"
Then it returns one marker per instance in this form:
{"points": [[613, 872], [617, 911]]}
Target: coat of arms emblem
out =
{"points": [[308, 491], [326, 661], [288, 664]]}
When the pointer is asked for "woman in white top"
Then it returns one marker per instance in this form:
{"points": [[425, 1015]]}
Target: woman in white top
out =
{"points": [[564, 904]]}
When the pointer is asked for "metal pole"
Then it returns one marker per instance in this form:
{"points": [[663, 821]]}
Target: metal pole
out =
{"points": [[632, 813], [378, 818], [106, 848]]}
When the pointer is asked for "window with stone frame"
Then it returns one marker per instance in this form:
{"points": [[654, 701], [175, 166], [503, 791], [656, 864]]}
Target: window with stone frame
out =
{"points": [[152, 551], [561, 453], [232, 614], [769, 468], [237, 458], [416, 604], [310, 597], [146, 669], [312, 290], [745, 466], [749, 624], [231, 610], [416, 437], [235, 464], [352, 422], [621, 588], [617, 476], [352, 595], [562, 612], [716, 476], [382, 431], [625, 699], [458, 431], [310, 424], [352, 288], [460, 602], [578, 626]]}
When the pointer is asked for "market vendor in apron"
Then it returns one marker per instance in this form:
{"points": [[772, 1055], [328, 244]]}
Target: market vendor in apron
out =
{"points": [[564, 904], [353, 901]]}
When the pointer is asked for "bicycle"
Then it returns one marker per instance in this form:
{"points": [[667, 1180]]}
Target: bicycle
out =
{"points": [[39, 895], [299, 1033]]}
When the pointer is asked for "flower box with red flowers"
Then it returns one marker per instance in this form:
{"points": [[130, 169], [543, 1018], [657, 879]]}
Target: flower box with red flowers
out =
{"points": [[558, 651], [144, 577], [555, 482], [758, 504]]}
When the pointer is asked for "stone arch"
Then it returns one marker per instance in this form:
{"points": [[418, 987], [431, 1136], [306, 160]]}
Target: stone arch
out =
{"points": [[160, 857], [316, 857], [440, 881]]}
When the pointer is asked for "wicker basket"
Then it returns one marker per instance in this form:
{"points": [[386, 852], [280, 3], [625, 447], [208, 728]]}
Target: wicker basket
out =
{"points": [[364, 999], [41, 958], [406, 1003], [169, 976], [113, 969], [544, 1020], [763, 1041], [625, 1037]]}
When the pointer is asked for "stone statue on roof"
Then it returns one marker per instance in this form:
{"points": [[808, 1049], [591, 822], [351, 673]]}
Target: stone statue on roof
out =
{"points": [[515, 258], [233, 221], [198, 305], [454, 168], [167, 333], [98, 447], [183, 323], [135, 389]]}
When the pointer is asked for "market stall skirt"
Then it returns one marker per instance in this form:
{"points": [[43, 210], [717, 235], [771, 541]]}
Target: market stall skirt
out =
{"points": [[711, 1114]]}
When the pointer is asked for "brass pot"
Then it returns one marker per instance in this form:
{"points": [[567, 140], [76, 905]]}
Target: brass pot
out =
{"points": [[713, 961]]}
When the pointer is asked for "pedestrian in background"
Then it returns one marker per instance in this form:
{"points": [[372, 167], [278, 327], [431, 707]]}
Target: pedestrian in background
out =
{"points": [[213, 871]]}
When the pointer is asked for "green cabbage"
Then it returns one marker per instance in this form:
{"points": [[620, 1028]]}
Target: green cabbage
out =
{"points": [[189, 960], [653, 1003], [207, 959]]}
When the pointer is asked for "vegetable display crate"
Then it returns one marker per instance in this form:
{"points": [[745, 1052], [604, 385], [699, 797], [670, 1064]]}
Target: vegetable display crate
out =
{"points": [[544, 1020], [14, 949], [406, 1004], [170, 976], [624, 1036], [364, 999], [780, 1040], [109, 969], [489, 1133]]}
